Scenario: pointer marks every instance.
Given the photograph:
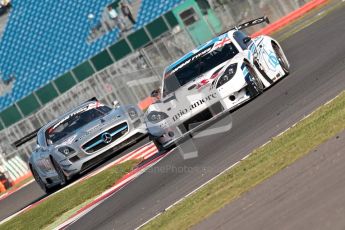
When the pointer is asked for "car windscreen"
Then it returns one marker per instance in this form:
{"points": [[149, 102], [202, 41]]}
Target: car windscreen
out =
{"points": [[73, 122], [197, 65]]}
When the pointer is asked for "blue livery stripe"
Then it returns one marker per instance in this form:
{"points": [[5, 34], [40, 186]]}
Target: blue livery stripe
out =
{"points": [[94, 144], [245, 71], [119, 130]]}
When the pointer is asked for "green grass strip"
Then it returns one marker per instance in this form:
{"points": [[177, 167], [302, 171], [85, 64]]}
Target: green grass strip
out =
{"points": [[264, 162], [56, 205]]}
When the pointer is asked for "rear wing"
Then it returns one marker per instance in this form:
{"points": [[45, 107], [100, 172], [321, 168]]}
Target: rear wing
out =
{"points": [[252, 23], [25, 139]]}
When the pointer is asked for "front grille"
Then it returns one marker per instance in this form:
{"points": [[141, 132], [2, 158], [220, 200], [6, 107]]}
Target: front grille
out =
{"points": [[98, 143], [114, 150], [201, 117], [96, 160]]}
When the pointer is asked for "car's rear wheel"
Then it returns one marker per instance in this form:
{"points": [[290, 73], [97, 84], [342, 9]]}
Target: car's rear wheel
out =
{"points": [[61, 174], [281, 58], [255, 85], [39, 181]]}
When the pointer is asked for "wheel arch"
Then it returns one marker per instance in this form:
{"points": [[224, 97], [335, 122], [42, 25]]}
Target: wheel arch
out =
{"points": [[275, 43]]}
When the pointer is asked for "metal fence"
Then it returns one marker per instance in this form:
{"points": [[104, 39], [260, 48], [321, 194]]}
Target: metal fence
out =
{"points": [[132, 79], [128, 81]]}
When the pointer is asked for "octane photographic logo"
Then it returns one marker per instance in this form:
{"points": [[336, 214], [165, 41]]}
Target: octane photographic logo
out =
{"points": [[190, 112], [189, 149]]}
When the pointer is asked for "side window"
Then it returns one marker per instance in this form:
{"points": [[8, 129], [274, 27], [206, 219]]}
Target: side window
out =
{"points": [[239, 36], [41, 139], [189, 17]]}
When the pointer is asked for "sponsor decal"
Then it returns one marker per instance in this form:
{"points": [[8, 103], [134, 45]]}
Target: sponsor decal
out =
{"points": [[202, 53], [194, 105], [84, 109], [273, 60], [202, 84], [44, 163], [67, 142], [217, 45], [209, 81], [222, 43]]}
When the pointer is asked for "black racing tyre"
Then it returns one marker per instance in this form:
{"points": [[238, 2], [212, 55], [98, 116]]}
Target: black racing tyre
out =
{"points": [[158, 145], [263, 73], [281, 58], [255, 85], [59, 171], [39, 181]]}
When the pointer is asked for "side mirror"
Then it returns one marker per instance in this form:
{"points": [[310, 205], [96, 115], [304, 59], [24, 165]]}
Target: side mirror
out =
{"points": [[246, 40], [116, 104], [267, 20], [155, 93]]}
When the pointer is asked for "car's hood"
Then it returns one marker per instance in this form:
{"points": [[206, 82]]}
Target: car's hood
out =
{"points": [[198, 85], [93, 128], [194, 96], [203, 83]]}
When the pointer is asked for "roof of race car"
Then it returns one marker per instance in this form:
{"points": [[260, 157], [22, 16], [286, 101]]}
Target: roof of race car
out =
{"points": [[196, 50]]}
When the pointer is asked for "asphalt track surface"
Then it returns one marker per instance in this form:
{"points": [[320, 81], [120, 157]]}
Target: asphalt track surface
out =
{"points": [[317, 56], [307, 195]]}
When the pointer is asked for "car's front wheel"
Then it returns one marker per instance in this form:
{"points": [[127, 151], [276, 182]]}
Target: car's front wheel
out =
{"points": [[281, 58], [158, 145], [59, 171], [255, 85], [39, 181]]}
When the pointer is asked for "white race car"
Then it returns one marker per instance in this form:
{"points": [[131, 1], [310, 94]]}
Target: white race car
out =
{"points": [[214, 78]]}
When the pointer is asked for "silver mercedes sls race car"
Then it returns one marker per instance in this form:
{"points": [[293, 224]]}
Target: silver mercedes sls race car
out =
{"points": [[212, 79], [81, 138]]}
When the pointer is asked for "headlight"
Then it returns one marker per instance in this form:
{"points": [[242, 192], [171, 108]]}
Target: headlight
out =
{"points": [[156, 116], [228, 75], [132, 112], [66, 150]]}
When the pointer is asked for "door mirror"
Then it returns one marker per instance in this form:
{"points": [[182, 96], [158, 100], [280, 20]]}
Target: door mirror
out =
{"points": [[155, 93], [49, 142], [116, 104], [246, 40]]}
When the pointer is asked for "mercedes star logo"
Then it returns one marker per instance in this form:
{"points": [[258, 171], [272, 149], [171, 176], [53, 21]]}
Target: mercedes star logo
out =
{"points": [[106, 137]]}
